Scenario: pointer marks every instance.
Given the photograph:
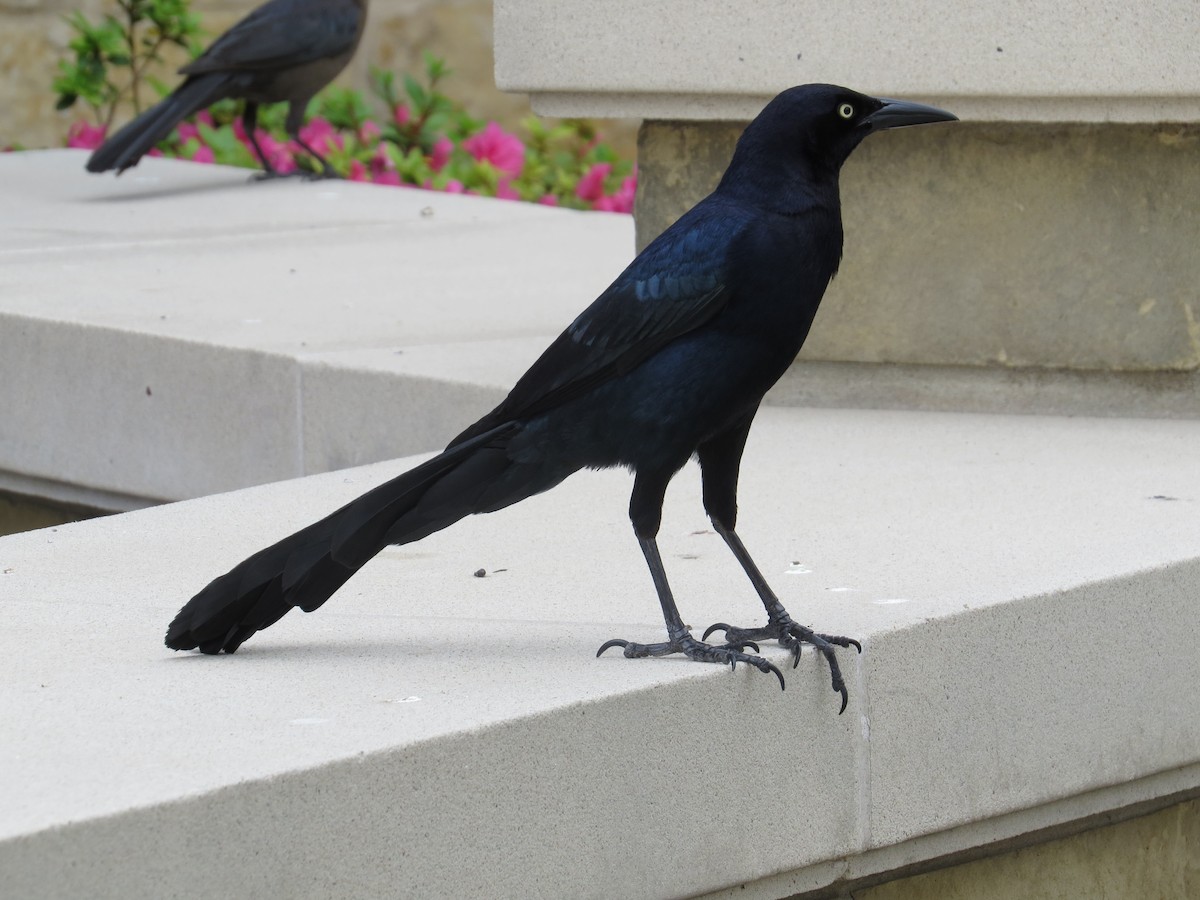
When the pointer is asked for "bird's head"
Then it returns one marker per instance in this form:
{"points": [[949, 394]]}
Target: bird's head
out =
{"points": [[810, 130]]}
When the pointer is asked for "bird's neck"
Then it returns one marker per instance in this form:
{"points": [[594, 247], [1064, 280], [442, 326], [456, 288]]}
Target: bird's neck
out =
{"points": [[792, 189]]}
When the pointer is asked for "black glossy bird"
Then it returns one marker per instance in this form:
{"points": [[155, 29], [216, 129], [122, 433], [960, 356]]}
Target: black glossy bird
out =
{"points": [[669, 363], [285, 50]]}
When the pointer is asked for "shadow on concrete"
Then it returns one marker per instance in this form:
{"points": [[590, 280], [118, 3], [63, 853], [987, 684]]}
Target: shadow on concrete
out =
{"points": [[174, 189]]}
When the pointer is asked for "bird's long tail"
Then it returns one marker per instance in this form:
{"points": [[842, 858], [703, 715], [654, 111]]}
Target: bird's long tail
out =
{"points": [[305, 568], [132, 142]]}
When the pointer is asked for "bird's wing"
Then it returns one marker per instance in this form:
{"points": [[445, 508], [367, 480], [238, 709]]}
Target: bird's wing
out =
{"points": [[672, 287], [282, 33]]}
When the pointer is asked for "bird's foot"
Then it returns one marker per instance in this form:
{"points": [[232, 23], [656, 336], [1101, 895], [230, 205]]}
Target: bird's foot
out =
{"points": [[793, 635], [730, 652]]}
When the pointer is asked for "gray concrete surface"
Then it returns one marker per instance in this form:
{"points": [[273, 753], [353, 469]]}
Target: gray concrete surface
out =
{"points": [[1014, 60], [1023, 584], [324, 326], [1059, 392], [233, 321], [1024, 587]]}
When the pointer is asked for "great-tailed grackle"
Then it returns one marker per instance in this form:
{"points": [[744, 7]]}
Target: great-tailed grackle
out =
{"points": [[285, 50], [670, 362]]}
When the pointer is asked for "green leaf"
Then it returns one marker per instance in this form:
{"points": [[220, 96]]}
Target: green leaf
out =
{"points": [[416, 93]]}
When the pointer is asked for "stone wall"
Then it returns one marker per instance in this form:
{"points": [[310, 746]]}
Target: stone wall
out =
{"points": [[34, 37], [1157, 855]]}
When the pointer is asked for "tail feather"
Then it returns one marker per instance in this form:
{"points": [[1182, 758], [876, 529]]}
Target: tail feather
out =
{"points": [[306, 568], [131, 143]]}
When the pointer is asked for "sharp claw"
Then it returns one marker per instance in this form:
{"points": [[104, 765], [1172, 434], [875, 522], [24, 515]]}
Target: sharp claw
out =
{"points": [[701, 651], [615, 642], [838, 684], [742, 645], [841, 641], [716, 626], [779, 675]]}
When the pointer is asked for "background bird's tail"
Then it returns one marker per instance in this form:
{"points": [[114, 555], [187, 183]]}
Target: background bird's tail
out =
{"points": [[305, 568], [128, 145]]}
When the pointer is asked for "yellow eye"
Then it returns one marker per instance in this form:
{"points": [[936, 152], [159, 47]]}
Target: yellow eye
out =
{"points": [[846, 111]]}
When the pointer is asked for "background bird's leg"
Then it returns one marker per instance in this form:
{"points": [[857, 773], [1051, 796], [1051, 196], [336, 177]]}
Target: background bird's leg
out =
{"points": [[720, 460], [645, 509], [250, 123], [295, 119]]}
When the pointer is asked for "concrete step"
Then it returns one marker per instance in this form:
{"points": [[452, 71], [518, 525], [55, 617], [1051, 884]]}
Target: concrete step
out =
{"points": [[1024, 586], [249, 332]]}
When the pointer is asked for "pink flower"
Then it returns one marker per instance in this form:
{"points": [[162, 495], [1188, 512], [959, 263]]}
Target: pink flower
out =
{"points": [[187, 131], [206, 117], [284, 162], [279, 155], [505, 191], [548, 200], [321, 136], [368, 132], [381, 161], [358, 172], [269, 145], [454, 186], [440, 155], [203, 154], [85, 136], [496, 146], [591, 185], [401, 115], [622, 200], [392, 178]]}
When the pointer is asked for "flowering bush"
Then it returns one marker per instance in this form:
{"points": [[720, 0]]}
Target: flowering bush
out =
{"points": [[423, 139], [132, 41]]}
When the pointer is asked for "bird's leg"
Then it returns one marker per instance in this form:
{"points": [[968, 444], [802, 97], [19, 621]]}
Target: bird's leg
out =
{"points": [[327, 171], [679, 638], [720, 458], [780, 625], [250, 124], [295, 119]]}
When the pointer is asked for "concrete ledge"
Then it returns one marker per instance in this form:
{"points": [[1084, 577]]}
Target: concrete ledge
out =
{"points": [[455, 734], [1024, 587], [132, 374], [991, 389], [237, 333], [1038, 61]]}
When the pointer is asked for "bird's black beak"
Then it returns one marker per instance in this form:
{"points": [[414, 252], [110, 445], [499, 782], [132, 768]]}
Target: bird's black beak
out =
{"points": [[898, 113]]}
